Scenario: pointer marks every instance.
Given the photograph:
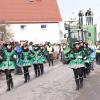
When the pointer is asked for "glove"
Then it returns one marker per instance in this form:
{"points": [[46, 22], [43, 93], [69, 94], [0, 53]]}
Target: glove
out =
{"points": [[84, 58], [1, 57], [15, 56], [79, 57]]}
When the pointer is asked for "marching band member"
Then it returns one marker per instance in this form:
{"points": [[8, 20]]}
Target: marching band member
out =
{"points": [[76, 62], [88, 51], [26, 62], [38, 60], [8, 64], [43, 59], [35, 63], [83, 48]]}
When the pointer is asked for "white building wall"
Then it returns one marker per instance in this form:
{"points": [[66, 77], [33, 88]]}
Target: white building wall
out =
{"points": [[34, 32]]}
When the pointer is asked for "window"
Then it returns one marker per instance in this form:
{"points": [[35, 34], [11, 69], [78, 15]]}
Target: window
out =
{"points": [[30, 0], [43, 27], [23, 27]]}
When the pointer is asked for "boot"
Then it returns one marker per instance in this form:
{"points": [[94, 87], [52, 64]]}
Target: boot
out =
{"points": [[28, 76], [36, 73], [52, 63], [8, 89], [11, 83], [42, 69], [77, 84], [25, 76], [8, 85], [8, 77], [81, 82], [49, 64], [84, 72]]}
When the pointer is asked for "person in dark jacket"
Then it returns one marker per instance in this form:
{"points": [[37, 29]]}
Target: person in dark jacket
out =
{"points": [[80, 14], [50, 50]]}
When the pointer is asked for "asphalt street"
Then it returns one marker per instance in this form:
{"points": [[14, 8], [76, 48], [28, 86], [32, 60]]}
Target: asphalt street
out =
{"points": [[57, 83]]}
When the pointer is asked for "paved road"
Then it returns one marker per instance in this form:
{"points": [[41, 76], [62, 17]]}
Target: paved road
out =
{"points": [[56, 84]]}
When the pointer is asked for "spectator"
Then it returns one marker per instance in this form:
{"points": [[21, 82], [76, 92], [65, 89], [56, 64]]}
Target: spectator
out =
{"points": [[80, 14]]}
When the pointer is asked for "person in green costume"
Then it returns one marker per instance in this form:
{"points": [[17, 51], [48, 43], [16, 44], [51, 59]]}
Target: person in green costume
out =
{"points": [[38, 60], [25, 61], [88, 58], [35, 62], [8, 64], [76, 62], [85, 52]]}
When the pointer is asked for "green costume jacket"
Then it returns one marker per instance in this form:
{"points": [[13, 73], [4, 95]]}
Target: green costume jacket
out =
{"points": [[9, 60], [88, 51], [76, 59], [26, 59], [38, 56]]}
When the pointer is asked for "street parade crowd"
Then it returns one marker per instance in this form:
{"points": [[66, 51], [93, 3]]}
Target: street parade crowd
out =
{"points": [[79, 57], [14, 57]]}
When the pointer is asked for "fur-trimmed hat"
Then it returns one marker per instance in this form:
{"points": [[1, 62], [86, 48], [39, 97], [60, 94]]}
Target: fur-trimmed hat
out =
{"points": [[76, 42]]}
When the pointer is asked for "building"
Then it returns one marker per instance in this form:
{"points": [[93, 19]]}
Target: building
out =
{"points": [[33, 20]]}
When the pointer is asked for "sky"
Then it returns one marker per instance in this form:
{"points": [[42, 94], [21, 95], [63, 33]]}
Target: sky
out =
{"points": [[67, 7]]}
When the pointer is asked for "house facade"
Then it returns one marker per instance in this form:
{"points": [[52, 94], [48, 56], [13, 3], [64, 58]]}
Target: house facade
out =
{"points": [[36, 32], [32, 20]]}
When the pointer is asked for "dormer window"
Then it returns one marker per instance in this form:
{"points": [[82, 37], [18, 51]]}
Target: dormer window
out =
{"points": [[30, 0]]}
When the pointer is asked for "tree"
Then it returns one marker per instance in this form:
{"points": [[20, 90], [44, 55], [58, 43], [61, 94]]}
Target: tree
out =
{"points": [[5, 34]]}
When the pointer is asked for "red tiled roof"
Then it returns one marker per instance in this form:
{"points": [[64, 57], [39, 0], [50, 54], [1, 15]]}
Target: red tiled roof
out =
{"points": [[26, 11]]}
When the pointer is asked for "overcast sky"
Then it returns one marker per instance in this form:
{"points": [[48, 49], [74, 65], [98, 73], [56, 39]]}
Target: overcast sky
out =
{"points": [[69, 6]]}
